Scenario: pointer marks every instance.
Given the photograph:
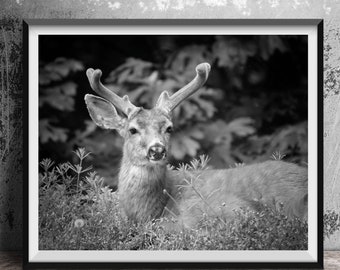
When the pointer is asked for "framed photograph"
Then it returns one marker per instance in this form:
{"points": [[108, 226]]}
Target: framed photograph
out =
{"points": [[173, 143]]}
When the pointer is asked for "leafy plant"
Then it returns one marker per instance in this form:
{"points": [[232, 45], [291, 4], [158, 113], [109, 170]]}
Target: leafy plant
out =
{"points": [[291, 141], [199, 127], [56, 97]]}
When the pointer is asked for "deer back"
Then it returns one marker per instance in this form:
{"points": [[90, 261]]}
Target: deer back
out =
{"points": [[270, 183]]}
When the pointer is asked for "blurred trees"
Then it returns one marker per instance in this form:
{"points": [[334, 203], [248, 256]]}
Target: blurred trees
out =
{"points": [[254, 103]]}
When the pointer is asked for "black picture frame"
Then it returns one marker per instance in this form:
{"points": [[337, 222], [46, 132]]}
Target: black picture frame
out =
{"points": [[28, 24]]}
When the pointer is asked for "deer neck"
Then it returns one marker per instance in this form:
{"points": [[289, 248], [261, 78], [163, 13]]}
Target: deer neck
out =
{"points": [[140, 190]]}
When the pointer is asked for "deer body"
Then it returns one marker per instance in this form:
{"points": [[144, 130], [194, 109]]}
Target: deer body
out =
{"points": [[141, 191], [148, 189], [252, 186]]}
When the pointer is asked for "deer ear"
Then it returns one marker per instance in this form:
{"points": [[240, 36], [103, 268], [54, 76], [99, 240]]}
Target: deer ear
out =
{"points": [[103, 113]]}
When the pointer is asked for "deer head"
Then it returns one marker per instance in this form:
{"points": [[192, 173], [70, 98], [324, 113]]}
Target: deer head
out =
{"points": [[146, 132]]}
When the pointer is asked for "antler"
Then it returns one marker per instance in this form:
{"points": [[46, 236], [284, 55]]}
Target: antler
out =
{"points": [[169, 103], [123, 104]]}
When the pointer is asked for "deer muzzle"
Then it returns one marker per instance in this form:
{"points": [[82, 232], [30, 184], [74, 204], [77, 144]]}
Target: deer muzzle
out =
{"points": [[157, 152]]}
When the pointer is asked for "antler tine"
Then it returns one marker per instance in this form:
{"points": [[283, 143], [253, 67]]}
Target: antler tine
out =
{"points": [[169, 103], [123, 104]]}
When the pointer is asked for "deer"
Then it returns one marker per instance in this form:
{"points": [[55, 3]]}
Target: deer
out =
{"points": [[148, 189]]}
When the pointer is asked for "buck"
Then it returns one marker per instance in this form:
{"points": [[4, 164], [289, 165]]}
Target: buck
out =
{"points": [[148, 189]]}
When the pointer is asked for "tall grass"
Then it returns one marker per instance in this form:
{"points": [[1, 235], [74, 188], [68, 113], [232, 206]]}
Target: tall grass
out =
{"points": [[77, 212]]}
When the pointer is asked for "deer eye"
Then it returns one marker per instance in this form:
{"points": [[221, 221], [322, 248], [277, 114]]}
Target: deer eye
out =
{"points": [[169, 130], [133, 131]]}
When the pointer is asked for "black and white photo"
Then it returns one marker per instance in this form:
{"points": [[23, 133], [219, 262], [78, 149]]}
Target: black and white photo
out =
{"points": [[191, 141]]}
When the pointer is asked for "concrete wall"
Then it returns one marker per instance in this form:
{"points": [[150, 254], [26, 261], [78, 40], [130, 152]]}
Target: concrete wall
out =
{"points": [[12, 11]]}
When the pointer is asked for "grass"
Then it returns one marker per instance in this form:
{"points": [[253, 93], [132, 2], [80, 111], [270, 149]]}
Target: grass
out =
{"points": [[76, 212]]}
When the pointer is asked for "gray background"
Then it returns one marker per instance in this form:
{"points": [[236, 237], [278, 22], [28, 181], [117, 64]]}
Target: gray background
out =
{"points": [[13, 11]]}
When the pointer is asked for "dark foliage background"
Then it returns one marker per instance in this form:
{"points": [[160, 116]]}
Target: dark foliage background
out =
{"points": [[253, 105]]}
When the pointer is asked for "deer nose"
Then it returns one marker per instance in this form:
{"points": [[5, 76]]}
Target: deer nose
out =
{"points": [[157, 152]]}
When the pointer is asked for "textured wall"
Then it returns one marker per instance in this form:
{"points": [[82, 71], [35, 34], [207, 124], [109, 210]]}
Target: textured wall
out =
{"points": [[12, 11]]}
